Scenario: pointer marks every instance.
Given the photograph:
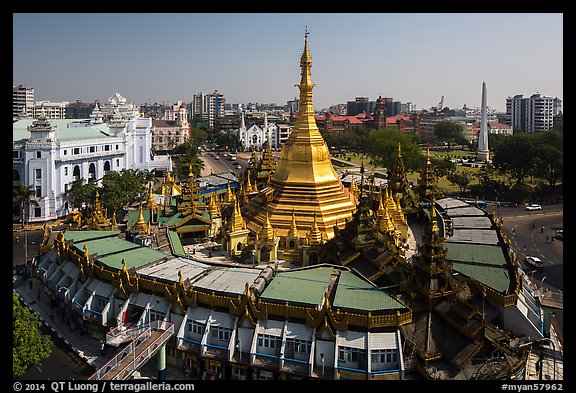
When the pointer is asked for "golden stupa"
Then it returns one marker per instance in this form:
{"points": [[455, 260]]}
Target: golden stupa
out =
{"points": [[304, 182]]}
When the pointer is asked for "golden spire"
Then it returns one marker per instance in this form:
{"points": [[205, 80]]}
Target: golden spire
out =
{"points": [[380, 212], [248, 188], [213, 207], [353, 187], [304, 177], [386, 222], [399, 215], [293, 231], [113, 220], [190, 172], [140, 225], [389, 202], [229, 196], [97, 201], [314, 236], [236, 220], [266, 233], [150, 203], [435, 228]]}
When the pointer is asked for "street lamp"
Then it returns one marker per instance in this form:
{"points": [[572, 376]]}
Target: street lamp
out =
{"points": [[238, 348]]}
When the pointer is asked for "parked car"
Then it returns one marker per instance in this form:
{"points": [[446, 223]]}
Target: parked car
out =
{"points": [[238, 166], [534, 262], [533, 206], [559, 234]]}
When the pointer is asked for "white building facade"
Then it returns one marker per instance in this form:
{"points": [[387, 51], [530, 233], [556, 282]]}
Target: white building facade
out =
{"points": [[255, 136], [52, 154]]}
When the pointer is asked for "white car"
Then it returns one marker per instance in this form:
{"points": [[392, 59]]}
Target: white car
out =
{"points": [[534, 262], [533, 207]]}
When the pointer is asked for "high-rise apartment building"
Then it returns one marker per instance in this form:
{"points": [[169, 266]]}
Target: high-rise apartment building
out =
{"points": [[208, 107], [22, 101], [530, 114], [51, 110], [215, 107]]}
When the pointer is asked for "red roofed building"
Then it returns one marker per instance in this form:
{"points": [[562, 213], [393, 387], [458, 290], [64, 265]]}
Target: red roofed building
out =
{"points": [[493, 128]]}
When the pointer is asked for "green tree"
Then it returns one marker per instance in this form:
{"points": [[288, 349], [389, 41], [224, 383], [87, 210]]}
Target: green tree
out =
{"points": [[24, 196], [382, 147], [198, 136], [516, 155], [29, 346], [549, 160], [450, 132], [147, 176], [460, 179], [81, 194]]}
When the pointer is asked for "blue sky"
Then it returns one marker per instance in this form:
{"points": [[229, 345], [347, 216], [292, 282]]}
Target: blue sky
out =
{"points": [[254, 57]]}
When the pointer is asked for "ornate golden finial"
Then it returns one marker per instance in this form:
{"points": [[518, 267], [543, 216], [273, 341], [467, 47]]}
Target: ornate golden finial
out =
{"points": [[293, 231], [249, 188], [435, 228], [236, 220], [113, 220], [86, 251], [266, 232], [314, 236], [213, 207], [353, 187]]}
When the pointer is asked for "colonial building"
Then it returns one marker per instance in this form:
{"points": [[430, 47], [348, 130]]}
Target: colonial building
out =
{"points": [[52, 154]]}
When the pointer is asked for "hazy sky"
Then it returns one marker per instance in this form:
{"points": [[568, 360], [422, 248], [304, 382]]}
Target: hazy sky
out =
{"points": [[254, 57]]}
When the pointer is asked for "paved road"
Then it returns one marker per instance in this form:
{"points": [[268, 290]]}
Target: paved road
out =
{"points": [[61, 364], [528, 241]]}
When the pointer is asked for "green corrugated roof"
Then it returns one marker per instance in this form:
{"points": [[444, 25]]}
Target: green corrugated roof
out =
{"points": [[353, 292], [306, 286], [176, 244], [137, 258], [106, 246], [475, 253], [495, 277], [80, 236], [63, 132]]}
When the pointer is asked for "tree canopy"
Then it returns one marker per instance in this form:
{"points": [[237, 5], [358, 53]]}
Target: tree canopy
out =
{"points": [[29, 346], [382, 147], [450, 132], [24, 196]]}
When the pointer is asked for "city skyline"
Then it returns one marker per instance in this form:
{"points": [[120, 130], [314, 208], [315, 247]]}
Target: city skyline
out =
{"points": [[250, 57]]}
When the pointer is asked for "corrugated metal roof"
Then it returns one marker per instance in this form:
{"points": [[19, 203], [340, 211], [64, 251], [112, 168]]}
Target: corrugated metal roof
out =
{"points": [[465, 211], [176, 243], [476, 254], [383, 340], [229, 280], [80, 236], [199, 314], [136, 258], [271, 327], [169, 269], [353, 292], [105, 246], [351, 338], [306, 286], [471, 222], [496, 278], [474, 235], [222, 319], [449, 203], [299, 331]]}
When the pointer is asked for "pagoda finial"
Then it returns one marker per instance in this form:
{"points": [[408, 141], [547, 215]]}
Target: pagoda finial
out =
{"points": [[293, 231], [314, 236], [266, 233]]}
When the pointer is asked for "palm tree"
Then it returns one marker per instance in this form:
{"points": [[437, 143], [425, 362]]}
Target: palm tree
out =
{"points": [[147, 175], [24, 196]]}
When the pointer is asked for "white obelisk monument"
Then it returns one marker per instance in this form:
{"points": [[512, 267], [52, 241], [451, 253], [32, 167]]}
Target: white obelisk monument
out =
{"points": [[483, 152]]}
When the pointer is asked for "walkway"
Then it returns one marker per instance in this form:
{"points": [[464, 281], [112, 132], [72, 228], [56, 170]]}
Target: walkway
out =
{"points": [[86, 347]]}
